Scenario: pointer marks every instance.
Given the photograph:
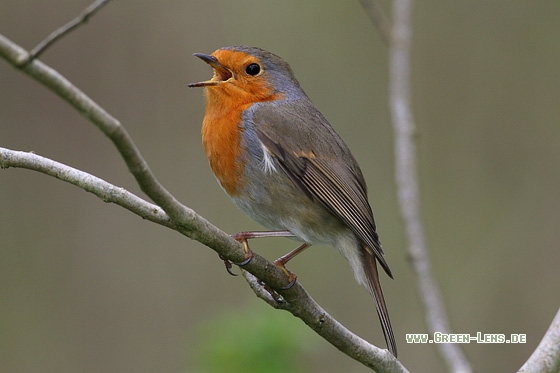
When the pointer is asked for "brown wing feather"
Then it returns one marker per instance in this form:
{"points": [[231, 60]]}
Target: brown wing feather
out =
{"points": [[339, 191]]}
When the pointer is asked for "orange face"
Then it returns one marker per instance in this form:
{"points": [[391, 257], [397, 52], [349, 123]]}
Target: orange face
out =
{"points": [[239, 78]]}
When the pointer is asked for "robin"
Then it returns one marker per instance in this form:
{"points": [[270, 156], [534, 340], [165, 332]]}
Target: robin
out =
{"points": [[282, 163]]}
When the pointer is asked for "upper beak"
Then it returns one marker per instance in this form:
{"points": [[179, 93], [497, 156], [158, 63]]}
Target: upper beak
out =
{"points": [[221, 73]]}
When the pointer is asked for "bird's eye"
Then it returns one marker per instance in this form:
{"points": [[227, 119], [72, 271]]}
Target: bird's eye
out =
{"points": [[253, 69]]}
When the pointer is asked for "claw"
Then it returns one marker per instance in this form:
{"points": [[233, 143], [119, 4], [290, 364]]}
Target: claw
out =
{"points": [[292, 283], [228, 265], [248, 253], [291, 276], [245, 262]]}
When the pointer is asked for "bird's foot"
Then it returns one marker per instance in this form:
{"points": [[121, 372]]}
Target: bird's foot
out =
{"points": [[291, 276], [240, 237]]}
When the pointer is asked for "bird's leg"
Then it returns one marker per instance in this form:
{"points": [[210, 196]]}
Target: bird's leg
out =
{"points": [[243, 237], [281, 263]]}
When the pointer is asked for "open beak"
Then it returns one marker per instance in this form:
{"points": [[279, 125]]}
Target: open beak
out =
{"points": [[221, 73]]}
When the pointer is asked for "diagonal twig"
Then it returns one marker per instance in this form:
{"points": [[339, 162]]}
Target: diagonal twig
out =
{"points": [[406, 174], [102, 189], [379, 19], [64, 30]]}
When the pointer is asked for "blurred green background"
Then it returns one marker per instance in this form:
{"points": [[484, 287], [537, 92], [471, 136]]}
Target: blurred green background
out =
{"points": [[86, 286]]}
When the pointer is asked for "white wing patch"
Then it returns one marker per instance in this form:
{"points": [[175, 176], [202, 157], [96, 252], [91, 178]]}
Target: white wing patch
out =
{"points": [[267, 162]]}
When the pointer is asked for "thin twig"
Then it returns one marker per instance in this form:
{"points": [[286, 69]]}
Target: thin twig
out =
{"points": [[407, 182], [102, 189], [103, 120], [64, 30], [256, 285], [379, 19]]}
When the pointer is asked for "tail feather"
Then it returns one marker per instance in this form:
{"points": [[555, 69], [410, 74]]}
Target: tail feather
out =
{"points": [[370, 268]]}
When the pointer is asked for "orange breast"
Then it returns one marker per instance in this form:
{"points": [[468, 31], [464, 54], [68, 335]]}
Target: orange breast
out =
{"points": [[221, 137]]}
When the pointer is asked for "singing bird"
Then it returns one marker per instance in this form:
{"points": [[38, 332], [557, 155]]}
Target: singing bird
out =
{"points": [[282, 163]]}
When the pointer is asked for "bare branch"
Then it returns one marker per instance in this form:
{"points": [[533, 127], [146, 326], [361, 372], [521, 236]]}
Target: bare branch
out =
{"points": [[110, 126], [256, 285], [298, 302], [102, 189], [64, 30], [295, 300], [546, 357], [407, 182]]}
